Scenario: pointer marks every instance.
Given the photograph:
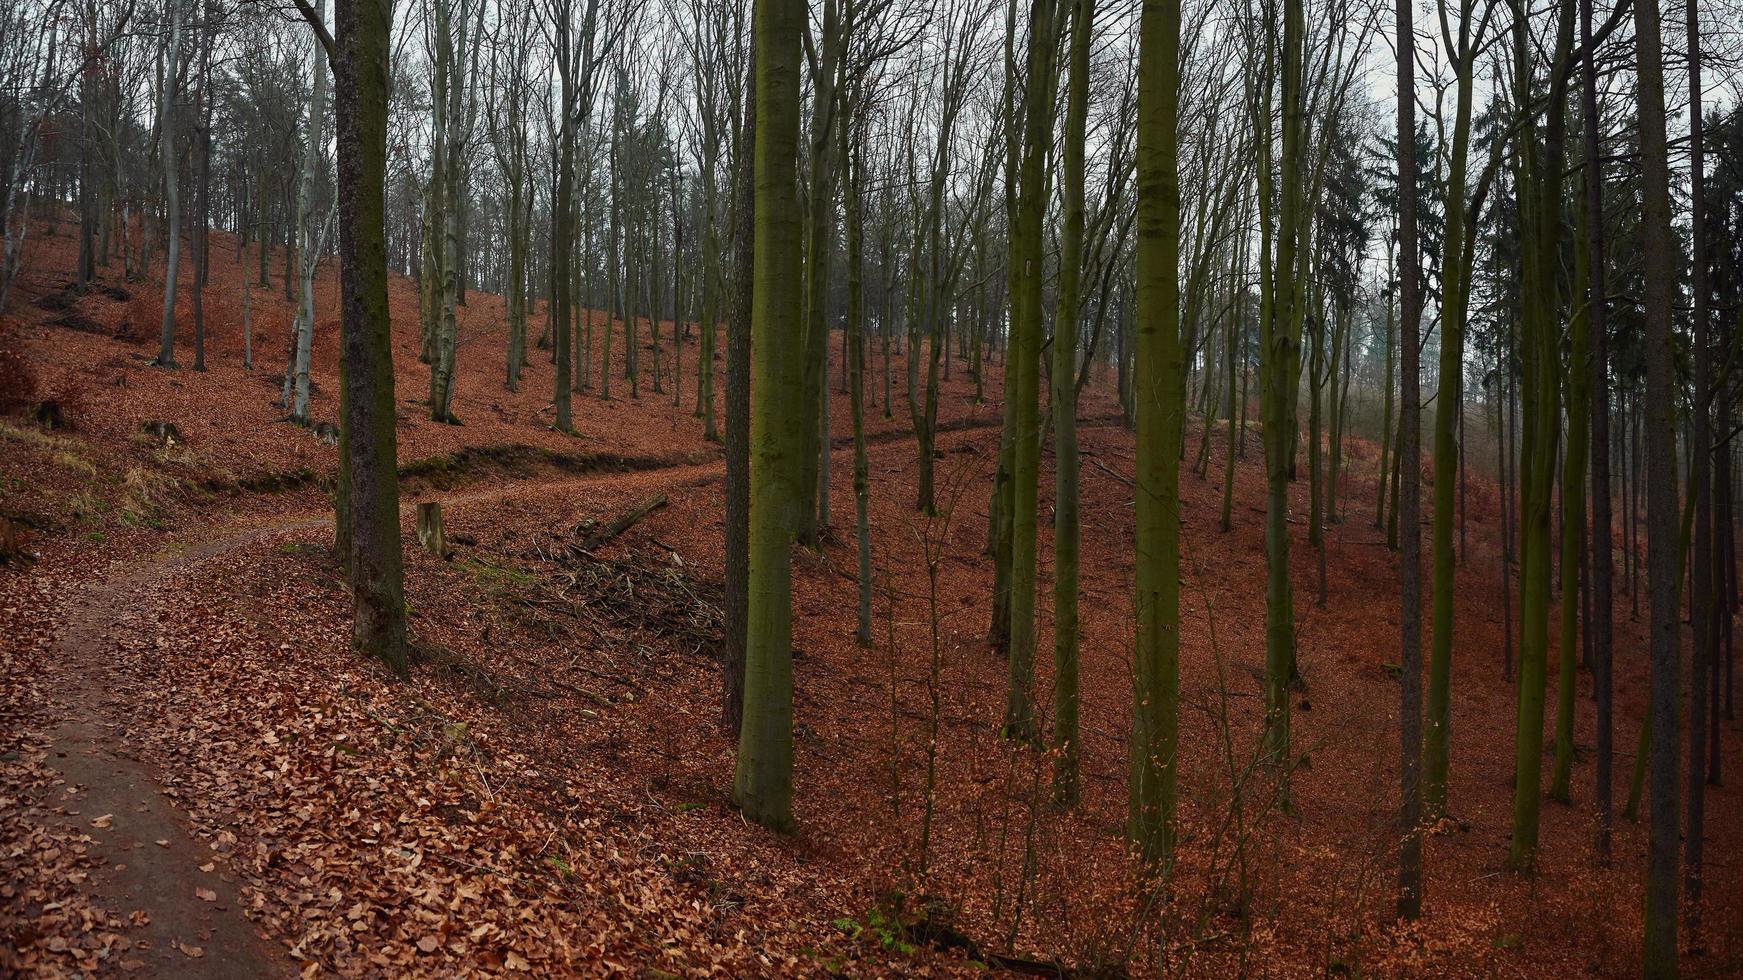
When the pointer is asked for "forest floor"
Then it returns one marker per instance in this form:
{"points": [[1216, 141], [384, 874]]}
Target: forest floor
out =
{"points": [[196, 771]]}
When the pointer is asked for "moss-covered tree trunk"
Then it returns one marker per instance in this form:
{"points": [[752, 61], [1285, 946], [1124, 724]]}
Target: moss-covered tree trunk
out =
{"points": [[1161, 410], [999, 507], [855, 366], [819, 245], [1064, 384], [360, 68], [1455, 280], [763, 781], [1027, 255], [1538, 189]]}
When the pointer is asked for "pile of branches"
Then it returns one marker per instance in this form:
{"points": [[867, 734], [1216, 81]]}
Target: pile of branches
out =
{"points": [[642, 596], [645, 591]]}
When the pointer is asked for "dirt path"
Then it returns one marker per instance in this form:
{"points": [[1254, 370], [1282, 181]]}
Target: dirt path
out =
{"points": [[148, 859]]}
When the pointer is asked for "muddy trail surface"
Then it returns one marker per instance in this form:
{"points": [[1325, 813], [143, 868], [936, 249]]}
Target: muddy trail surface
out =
{"points": [[183, 903]]}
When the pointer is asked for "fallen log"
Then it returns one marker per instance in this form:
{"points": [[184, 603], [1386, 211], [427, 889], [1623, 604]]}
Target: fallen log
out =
{"points": [[624, 522]]}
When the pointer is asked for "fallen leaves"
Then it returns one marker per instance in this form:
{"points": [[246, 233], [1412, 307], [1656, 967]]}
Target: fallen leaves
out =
{"points": [[192, 952], [104, 822], [454, 825], [380, 815], [49, 925]]}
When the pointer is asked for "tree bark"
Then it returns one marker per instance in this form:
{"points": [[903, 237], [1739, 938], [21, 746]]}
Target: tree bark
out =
{"points": [[1658, 255], [854, 358], [763, 781], [368, 456], [738, 367], [166, 355], [1410, 473], [1027, 255], [1064, 378], [1161, 409], [1701, 611], [1596, 306]]}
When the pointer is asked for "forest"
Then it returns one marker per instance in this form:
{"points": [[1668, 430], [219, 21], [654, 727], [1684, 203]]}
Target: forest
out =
{"points": [[766, 488]]}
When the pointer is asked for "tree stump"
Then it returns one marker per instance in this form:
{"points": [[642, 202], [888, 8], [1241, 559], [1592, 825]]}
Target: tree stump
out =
{"points": [[11, 540], [430, 533]]}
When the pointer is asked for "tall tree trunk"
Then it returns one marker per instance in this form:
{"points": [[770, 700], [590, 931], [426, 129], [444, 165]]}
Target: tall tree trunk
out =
{"points": [[367, 454], [677, 296], [1281, 358], [518, 233], [1658, 255], [1410, 472], [581, 336], [1386, 392], [87, 197], [308, 258], [1573, 537], [1027, 254], [1236, 345], [166, 354], [711, 279], [738, 366], [613, 259], [448, 173], [1701, 612], [1538, 189], [1065, 461], [999, 506], [562, 242], [262, 241], [763, 781], [202, 190], [1161, 413], [1455, 282], [855, 365], [1316, 375], [1340, 393], [654, 291], [1503, 455]]}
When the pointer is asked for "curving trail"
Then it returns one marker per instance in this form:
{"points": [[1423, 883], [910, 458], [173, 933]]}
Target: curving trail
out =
{"points": [[148, 858]]}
